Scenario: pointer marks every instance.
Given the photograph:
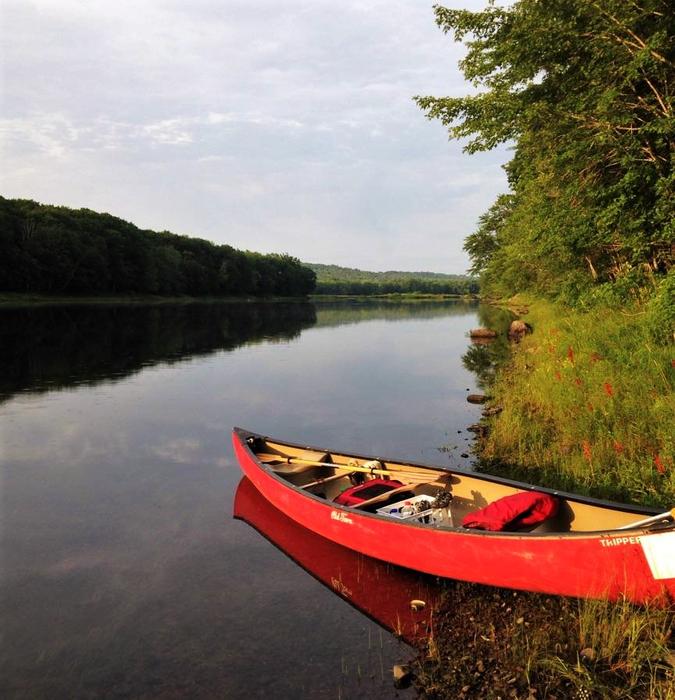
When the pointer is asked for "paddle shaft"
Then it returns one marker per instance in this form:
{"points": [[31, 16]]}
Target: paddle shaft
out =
{"points": [[649, 521], [350, 467]]}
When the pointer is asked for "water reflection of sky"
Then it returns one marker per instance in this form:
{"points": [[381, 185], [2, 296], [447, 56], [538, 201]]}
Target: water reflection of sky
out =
{"points": [[122, 568]]}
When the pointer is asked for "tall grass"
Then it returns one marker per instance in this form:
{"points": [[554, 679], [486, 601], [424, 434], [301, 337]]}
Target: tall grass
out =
{"points": [[622, 651], [588, 405], [495, 643]]}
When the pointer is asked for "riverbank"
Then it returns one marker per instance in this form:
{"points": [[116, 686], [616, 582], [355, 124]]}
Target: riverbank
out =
{"points": [[9, 299], [588, 405], [585, 403]]}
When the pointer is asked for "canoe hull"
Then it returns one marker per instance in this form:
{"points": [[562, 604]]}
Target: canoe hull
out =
{"points": [[594, 565]]}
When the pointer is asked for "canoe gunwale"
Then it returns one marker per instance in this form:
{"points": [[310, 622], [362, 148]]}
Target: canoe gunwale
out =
{"points": [[640, 511]]}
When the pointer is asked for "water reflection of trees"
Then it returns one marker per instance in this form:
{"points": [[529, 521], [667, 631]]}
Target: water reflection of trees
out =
{"points": [[331, 313], [42, 348], [482, 358], [48, 347]]}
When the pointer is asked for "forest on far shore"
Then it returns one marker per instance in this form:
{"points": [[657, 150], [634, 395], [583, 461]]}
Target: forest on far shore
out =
{"points": [[332, 279], [60, 251]]}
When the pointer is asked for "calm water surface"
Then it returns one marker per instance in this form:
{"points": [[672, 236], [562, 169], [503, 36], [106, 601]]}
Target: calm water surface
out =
{"points": [[124, 573]]}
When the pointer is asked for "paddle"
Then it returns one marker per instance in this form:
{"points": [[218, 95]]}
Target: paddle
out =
{"points": [[318, 482], [650, 521], [417, 476]]}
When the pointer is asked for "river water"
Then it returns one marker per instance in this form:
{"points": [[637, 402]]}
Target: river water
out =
{"points": [[124, 573]]}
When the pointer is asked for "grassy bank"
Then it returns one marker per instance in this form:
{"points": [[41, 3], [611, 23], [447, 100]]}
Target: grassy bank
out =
{"points": [[587, 405]]}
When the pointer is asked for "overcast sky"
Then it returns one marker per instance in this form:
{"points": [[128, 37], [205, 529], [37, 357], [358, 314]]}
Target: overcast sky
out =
{"points": [[272, 126]]}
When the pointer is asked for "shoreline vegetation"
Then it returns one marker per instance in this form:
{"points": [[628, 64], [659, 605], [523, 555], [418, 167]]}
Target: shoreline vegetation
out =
{"points": [[584, 93]]}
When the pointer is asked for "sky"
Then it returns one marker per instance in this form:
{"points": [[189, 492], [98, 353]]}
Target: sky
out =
{"points": [[272, 126]]}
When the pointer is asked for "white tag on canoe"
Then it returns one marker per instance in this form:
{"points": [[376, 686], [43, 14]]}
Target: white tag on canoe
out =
{"points": [[660, 553]]}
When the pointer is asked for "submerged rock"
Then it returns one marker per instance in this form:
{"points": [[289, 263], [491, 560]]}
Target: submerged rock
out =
{"points": [[402, 675], [476, 398], [479, 429]]}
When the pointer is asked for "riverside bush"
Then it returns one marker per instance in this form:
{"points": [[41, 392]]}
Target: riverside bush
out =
{"points": [[661, 311]]}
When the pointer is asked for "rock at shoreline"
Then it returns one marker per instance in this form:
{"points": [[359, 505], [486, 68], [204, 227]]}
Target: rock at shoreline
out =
{"points": [[492, 411], [588, 654], [476, 398], [518, 329], [402, 675], [482, 333]]}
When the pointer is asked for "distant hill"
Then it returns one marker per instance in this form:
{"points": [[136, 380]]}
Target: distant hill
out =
{"points": [[332, 279]]}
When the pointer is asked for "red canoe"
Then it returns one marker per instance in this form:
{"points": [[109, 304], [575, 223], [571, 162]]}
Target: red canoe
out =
{"points": [[589, 548], [399, 600]]}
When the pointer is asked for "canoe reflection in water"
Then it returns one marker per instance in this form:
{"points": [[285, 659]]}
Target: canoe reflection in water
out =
{"points": [[400, 600]]}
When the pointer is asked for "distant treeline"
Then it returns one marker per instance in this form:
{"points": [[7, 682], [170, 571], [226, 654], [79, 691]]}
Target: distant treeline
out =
{"points": [[331, 279], [57, 250]]}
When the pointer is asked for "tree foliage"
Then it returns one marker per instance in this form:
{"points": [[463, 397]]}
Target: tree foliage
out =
{"points": [[56, 250], [585, 91]]}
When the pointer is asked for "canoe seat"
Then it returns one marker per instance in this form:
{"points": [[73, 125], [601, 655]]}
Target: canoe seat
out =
{"points": [[356, 495]]}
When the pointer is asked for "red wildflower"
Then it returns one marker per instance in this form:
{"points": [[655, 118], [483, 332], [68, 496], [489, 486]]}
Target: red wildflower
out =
{"points": [[578, 381], [586, 447], [608, 389], [618, 447], [672, 363], [558, 376], [660, 468], [570, 354], [590, 407], [595, 357]]}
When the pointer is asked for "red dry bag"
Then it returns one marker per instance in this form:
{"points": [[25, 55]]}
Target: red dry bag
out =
{"points": [[513, 512]]}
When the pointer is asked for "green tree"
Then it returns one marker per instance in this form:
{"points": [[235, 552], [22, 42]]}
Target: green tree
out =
{"points": [[56, 250], [585, 90]]}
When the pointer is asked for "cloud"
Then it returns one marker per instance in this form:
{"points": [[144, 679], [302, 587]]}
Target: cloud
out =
{"points": [[179, 450], [270, 126]]}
